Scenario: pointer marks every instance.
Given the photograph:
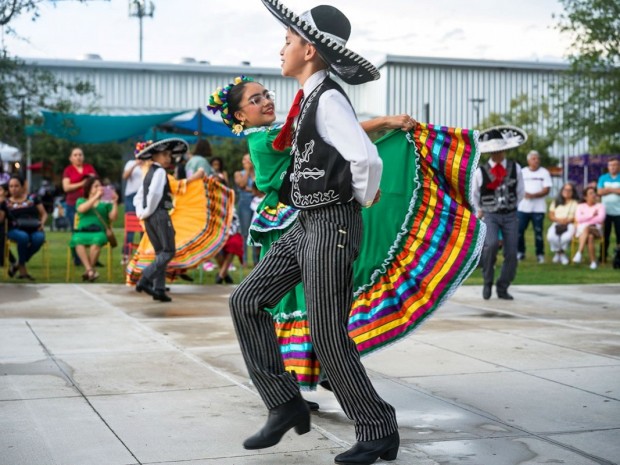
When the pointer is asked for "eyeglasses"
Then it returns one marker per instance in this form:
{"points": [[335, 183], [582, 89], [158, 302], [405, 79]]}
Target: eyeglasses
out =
{"points": [[259, 100]]}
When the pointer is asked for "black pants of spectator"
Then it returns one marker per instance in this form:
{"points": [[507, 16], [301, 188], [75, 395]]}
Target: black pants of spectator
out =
{"points": [[609, 221], [537, 220]]}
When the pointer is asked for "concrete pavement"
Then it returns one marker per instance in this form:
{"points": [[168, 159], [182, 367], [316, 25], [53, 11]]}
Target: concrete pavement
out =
{"points": [[97, 374]]}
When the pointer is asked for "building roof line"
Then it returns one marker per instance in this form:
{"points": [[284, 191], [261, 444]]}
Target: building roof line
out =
{"points": [[472, 63]]}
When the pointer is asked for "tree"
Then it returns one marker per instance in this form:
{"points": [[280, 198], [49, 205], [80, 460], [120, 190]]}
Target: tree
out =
{"points": [[528, 116], [24, 91], [591, 89]]}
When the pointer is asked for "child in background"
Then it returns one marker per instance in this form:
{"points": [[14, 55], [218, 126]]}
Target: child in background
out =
{"points": [[152, 202]]}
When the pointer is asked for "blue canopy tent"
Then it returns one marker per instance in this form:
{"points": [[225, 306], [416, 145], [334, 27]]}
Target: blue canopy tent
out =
{"points": [[198, 125], [95, 129]]}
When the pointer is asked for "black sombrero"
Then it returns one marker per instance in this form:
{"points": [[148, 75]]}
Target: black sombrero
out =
{"points": [[328, 29], [146, 150], [500, 138]]}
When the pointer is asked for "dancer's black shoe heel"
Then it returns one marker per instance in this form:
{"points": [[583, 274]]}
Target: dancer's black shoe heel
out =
{"points": [[292, 414], [367, 452]]}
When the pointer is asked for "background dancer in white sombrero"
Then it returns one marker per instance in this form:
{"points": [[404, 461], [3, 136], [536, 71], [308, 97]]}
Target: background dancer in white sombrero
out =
{"points": [[152, 202], [498, 189]]}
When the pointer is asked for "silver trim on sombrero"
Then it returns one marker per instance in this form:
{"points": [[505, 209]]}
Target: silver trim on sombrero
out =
{"points": [[512, 137], [313, 34], [162, 142]]}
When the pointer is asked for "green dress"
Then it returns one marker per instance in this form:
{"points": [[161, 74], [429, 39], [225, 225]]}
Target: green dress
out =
{"points": [[87, 222], [420, 242]]}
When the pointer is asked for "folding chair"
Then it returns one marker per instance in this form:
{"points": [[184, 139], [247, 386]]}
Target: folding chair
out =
{"points": [[574, 244], [132, 225], [70, 267]]}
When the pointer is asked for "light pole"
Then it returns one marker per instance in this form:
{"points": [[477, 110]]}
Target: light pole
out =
{"points": [[140, 9], [477, 102], [24, 140]]}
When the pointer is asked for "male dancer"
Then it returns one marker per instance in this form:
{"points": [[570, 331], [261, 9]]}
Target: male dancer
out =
{"points": [[335, 171], [498, 189], [152, 202]]}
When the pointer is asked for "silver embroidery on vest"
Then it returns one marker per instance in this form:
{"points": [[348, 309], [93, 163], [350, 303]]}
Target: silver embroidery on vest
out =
{"points": [[301, 171]]}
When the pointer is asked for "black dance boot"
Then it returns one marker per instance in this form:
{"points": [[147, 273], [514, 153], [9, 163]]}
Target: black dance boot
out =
{"points": [[144, 285], [367, 452], [291, 414]]}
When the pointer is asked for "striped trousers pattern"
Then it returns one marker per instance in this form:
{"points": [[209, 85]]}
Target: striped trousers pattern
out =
{"points": [[318, 251], [160, 232]]}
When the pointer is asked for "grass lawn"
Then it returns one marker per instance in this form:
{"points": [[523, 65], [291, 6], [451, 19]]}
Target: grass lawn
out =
{"points": [[529, 271]]}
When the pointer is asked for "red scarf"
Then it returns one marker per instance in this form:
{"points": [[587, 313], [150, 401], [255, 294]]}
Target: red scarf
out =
{"points": [[499, 173]]}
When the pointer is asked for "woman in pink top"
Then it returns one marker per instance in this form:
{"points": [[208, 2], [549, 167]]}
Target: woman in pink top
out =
{"points": [[589, 217], [73, 179]]}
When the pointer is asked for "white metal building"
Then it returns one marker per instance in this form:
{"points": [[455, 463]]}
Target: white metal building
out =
{"points": [[453, 92]]}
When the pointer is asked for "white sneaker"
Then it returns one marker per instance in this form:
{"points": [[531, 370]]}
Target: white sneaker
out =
{"points": [[208, 266], [520, 256], [541, 259], [593, 266], [564, 259], [557, 257], [577, 258]]}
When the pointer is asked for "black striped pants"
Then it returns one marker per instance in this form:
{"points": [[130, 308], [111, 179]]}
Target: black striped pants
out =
{"points": [[161, 233], [319, 251]]}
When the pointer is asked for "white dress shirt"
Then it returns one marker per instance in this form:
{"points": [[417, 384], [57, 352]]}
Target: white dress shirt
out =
{"points": [[478, 183], [156, 192], [134, 181], [338, 126]]}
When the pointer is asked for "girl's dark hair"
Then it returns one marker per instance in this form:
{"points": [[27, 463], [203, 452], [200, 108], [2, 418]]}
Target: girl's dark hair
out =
{"points": [[203, 148], [220, 160], [234, 99], [559, 199], [88, 185]]}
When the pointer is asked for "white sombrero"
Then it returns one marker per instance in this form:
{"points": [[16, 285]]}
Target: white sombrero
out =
{"points": [[328, 29], [500, 138], [146, 150]]}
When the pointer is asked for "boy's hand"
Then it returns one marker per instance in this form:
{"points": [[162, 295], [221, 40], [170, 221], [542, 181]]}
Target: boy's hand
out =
{"points": [[377, 197]]}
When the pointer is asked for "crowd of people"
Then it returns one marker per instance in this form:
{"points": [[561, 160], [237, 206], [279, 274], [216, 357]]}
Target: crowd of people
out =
{"points": [[508, 198]]}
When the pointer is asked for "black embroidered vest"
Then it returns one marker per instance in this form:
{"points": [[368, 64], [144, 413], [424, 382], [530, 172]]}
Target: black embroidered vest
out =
{"points": [[504, 198], [319, 175], [166, 200]]}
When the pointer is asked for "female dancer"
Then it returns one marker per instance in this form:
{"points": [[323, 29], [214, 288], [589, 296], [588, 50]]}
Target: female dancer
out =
{"points": [[421, 239]]}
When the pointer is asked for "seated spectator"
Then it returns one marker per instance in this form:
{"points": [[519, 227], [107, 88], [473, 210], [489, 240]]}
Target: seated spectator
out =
{"points": [[26, 220], [4, 192], [217, 164], [562, 215], [589, 219], [93, 215]]}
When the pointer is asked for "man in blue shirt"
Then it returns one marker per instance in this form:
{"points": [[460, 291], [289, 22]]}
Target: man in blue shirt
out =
{"points": [[609, 190]]}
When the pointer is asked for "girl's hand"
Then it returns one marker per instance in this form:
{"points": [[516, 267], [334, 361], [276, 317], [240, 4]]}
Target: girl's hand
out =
{"points": [[404, 122], [97, 193]]}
